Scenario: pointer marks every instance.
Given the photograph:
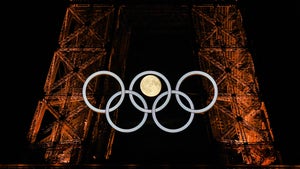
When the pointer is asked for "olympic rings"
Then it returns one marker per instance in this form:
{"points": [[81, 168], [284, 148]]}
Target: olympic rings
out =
{"points": [[153, 109]]}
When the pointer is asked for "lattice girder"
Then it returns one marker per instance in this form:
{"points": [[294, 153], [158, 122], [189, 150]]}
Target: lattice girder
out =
{"points": [[62, 122], [238, 117]]}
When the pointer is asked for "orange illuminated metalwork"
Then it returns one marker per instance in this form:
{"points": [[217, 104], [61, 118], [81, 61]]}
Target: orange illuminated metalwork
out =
{"points": [[97, 36]]}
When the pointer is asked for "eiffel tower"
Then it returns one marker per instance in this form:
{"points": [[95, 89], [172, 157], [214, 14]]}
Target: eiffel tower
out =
{"points": [[172, 38]]}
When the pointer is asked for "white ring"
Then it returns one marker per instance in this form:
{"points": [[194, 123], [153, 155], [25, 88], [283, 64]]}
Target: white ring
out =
{"points": [[121, 129], [161, 76], [167, 129], [215, 91], [97, 74]]}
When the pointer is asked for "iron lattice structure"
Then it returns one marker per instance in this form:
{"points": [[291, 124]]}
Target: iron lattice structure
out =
{"points": [[96, 37]]}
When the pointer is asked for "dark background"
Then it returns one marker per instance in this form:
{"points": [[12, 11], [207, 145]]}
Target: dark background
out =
{"points": [[30, 31]]}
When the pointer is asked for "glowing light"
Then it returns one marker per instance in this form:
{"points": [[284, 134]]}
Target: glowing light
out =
{"points": [[150, 85]]}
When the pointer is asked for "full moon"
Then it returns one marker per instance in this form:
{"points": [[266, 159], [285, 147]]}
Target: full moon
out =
{"points": [[150, 85]]}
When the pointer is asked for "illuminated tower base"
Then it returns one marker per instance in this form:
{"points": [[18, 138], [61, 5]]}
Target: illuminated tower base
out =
{"points": [[110, 36]]}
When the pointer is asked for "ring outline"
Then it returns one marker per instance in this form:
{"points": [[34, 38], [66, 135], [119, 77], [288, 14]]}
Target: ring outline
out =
{"points": [[168, 129], [209, 106], [103, 72], [164, 79], [122, 129]]}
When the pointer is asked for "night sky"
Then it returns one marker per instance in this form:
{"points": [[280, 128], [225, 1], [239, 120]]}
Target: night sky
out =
{"points": [[30, 35]]}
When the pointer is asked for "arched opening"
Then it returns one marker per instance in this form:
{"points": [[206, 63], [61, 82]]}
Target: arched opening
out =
{"points": [[168, 49]]}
